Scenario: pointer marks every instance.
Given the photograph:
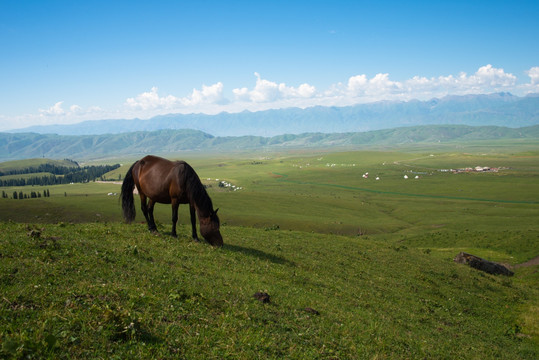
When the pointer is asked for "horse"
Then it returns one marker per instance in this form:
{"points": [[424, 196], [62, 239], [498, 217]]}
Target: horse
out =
{"points": [[163, 181]]}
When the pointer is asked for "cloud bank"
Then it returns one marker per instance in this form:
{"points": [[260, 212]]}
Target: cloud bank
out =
{"points": [[266, 94], [212, 94]]}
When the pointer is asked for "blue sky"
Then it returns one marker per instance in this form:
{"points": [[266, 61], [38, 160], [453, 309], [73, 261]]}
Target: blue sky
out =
{"points": [[69, 61]]}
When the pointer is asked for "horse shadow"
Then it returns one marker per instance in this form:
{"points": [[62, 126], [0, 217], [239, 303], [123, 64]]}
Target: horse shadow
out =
{"points": [[258, 254]]}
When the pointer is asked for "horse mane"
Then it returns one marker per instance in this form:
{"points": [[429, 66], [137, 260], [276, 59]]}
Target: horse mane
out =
{"points": [[195, 189]]}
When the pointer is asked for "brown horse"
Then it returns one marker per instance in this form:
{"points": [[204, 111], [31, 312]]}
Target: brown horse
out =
{"points": [[162, 181]]}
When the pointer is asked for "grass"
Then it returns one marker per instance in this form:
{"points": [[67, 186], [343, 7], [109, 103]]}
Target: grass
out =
{"points": [[372, 258], [26, 163], [25, 176], [113, 290]]}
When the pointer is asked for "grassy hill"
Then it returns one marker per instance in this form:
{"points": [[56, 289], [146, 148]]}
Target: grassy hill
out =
{"points": [[24, 145], [34, 172], [22, 164], [114, 290]]}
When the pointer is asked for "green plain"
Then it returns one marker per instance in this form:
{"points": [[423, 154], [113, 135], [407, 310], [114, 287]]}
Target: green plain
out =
{"points": [[357, 268]]}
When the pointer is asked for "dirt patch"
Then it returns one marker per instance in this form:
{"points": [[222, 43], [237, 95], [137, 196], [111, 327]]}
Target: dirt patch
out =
{"points": [[531, 262]]}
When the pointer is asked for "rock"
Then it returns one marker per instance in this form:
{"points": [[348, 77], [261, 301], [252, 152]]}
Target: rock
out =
{"points": [[36, 234], [482, 264], [262, 297], [312, 311]]}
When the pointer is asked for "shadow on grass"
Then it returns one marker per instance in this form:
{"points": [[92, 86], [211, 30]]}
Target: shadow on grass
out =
{"points": [[258, 254]]}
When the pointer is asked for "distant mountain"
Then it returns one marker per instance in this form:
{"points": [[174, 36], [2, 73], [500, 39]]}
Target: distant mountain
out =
{"points": [[32, 145], [500, 109]]}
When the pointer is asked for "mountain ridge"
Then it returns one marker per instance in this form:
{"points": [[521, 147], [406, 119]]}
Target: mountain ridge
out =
{"points": [[499, 109], [15, 146]]}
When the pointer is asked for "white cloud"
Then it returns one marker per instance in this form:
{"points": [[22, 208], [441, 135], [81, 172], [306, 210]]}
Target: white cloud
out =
{"points": [[268, 91], [54, 110], [490, 76], [268, 94], [533, 85], [265, 90], [55, 114], [212, 94], [357, 83], [533, 73], [75, 109], [57, 111], [241, 94], [486, 79], [303, 91], [380, 84], [151, 100]]}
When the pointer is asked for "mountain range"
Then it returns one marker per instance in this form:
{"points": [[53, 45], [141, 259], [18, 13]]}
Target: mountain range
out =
{"points": [[499, 109], [32, 145]]}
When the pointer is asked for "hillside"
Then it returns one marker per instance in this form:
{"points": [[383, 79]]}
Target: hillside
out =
{"points": [[18, 165], [31, 145], [501, 109], [101, 290], [49, 172]]}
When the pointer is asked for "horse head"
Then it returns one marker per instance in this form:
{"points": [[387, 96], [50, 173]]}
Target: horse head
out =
{"points": [[209, 228]]}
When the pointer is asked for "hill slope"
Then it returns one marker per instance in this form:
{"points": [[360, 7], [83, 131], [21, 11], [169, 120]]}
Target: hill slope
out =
{"points": [[18, 165], [29, 145], [92, 290]]}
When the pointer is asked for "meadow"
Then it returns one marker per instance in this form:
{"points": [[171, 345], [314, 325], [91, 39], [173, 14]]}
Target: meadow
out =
{"points": [[355, 267]]}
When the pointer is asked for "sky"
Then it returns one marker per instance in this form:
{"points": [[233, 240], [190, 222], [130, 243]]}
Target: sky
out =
{"points": [[64, 62]]}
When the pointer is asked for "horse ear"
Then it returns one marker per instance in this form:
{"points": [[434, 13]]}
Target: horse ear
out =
{"points": [[215, 212]]}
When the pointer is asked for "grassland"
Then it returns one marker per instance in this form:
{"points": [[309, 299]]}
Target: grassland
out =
{"points": [[27, 163], [355, 267]]}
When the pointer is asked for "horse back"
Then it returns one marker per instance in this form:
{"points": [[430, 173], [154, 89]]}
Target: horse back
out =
{"points": [[159, 179]]}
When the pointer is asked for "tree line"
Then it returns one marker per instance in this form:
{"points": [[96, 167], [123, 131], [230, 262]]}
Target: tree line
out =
{"points": [[20, 195], [50, 168], [59, 175]]}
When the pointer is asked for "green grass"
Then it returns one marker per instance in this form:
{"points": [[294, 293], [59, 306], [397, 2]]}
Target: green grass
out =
{"points": [[25, 176], [374, 258], [113, 290], [23, 164]]}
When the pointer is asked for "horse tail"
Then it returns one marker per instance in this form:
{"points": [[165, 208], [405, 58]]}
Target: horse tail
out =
{"points": [[128, 203]]}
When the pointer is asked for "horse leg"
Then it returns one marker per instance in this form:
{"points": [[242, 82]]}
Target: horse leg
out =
{"points": [[175, 205], [144, 207], [193, 222], [151, 225]]}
